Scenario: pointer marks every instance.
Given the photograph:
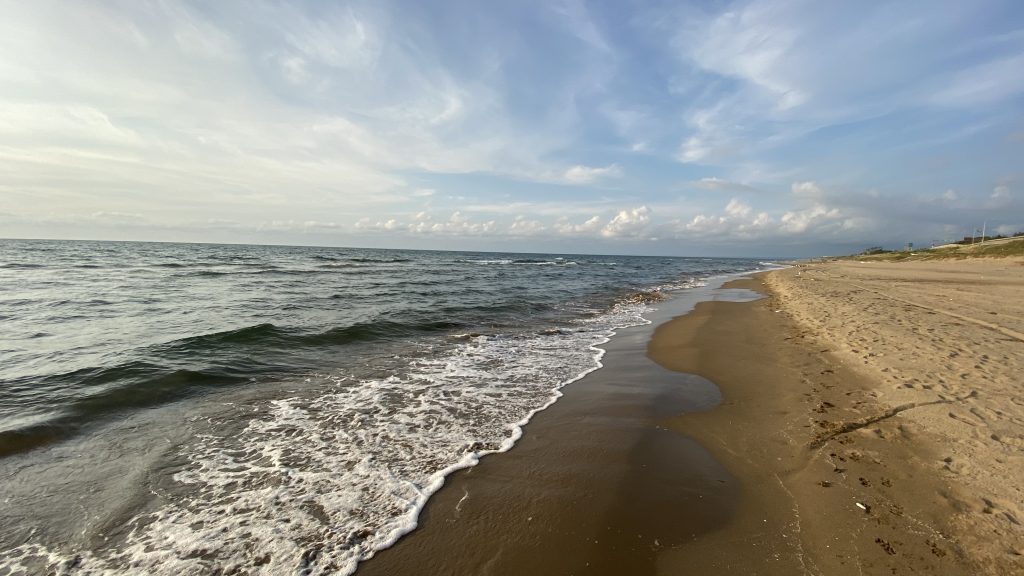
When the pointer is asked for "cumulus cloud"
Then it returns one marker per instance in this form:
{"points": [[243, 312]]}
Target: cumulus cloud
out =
{"points": [[522, 226], [424, 224], [740, 221], [806, 189], [800, 221], [737, 209], [737, 220], [566, 228], [628, 223]]}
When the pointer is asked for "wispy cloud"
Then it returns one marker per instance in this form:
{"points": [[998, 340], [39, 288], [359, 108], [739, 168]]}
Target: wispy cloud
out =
{"points": [[399, 120], [587, 174]]}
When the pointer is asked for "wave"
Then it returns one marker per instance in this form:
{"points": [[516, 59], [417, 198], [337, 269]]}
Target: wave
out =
{"points": [[486, 262], [642, 297], [110, 391], [379, 260], [272, 270], [521, 261], [363, 458], [359, 259], [271, 335], [340, 265], [181, 368]]}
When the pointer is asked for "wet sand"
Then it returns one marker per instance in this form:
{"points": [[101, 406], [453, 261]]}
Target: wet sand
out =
{"points": [[841, 444], [597, 484]]}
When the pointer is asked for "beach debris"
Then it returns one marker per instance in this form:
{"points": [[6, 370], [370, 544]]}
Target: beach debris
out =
{"points": [[886, 546], [643, 297], [825, 484], [866, 508]]}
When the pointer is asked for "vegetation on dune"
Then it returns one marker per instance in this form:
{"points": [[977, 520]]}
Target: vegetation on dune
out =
{"points": [[1001, 248]]}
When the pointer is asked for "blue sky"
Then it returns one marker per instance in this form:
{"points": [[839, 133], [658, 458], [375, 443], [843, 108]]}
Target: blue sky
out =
{"points": [[732, 128]]}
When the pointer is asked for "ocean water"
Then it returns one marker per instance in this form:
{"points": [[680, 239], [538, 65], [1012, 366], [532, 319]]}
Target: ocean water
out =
{"points": [[199, 409]]}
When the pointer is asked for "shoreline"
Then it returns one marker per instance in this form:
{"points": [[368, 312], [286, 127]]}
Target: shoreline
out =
{"points": [[799, 458], [596, 485]]}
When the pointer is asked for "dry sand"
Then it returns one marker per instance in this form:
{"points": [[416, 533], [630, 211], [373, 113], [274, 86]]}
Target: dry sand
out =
{"points": [[874, 413], [942, 345]]}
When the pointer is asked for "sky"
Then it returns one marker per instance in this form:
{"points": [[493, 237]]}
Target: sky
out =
{"points": [[763, 128]]}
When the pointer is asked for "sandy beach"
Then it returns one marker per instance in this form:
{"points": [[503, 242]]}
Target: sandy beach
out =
{"points": [[870, 422], [939, 346]]}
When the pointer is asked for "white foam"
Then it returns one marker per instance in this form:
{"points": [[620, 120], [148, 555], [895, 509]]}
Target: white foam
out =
{"points": [[315, 484]]}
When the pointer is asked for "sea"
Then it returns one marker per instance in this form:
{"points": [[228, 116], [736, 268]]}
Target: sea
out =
{"points": [[233, 409]]}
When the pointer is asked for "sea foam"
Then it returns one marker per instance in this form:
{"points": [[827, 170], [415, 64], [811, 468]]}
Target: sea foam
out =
{"points": [[314, 484]]}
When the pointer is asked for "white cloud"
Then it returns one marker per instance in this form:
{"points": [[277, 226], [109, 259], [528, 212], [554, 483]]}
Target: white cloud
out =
{"points": [[252, 112], [752, 44], [424, 224], [761, 74], [738, 221], [737, 209], [806, 189], [566, 228], [120, 218], [628, 223], [581, 24], [801, 221], [693, 150], [984, 84], [714, 183], [338, 38], [580, 174], [523, 226], [1001, 198]]}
